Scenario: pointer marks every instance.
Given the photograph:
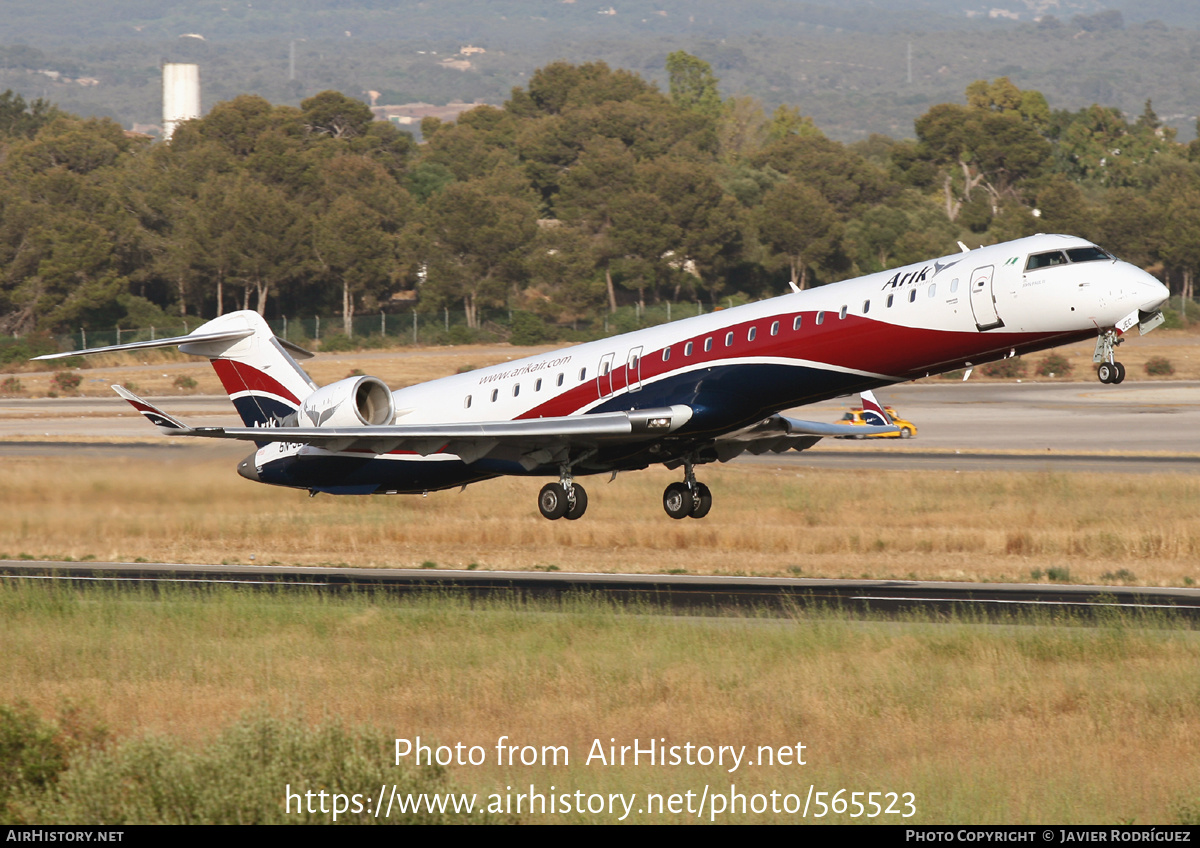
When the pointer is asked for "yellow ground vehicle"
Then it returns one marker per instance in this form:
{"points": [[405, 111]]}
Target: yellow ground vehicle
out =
{"points": [[907, 428]]}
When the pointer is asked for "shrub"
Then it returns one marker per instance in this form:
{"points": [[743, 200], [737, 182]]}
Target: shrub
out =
{"points": [[66, 381], [27, 347], [1054, 365], [244, 776], [1009, 369], [1159, 366], [529, 329], [338, 343], [31, 755], [184, 383], [11, 386]]}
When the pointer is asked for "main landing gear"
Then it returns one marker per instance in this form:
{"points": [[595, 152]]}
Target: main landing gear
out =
{"points": [[564, 499], [689, 498], [1109, 370]]}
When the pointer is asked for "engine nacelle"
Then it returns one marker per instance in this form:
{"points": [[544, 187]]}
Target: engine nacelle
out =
{"points": [[353, 402]]}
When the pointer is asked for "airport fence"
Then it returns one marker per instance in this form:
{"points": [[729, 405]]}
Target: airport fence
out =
{"points": [[424, 328]]}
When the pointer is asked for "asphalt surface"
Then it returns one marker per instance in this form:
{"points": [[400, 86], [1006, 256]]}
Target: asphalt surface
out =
{"points": [[695, 594], [1133, 427]]}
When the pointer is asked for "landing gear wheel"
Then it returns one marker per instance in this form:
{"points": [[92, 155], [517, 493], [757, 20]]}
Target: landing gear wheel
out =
{"points": [[677, 500], [1107, 372], [905, 433], [1119, 377], [577, 509], [702, 501], [552, 501]]}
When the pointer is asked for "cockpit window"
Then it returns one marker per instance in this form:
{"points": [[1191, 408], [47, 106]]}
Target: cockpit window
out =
{"points": [[1091, 253], [1045, 260]]}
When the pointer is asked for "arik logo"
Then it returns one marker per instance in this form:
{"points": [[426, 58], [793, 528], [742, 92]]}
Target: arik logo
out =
{"points": [[911, 277]]}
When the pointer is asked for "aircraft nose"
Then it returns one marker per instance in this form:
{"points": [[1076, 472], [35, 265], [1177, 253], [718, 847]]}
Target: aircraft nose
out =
{"points": [[1153, 294]]}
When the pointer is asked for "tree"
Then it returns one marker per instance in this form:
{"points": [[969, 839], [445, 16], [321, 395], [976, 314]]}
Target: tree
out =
{"points": [[333, 114], [359, 229], [692, 84], [797, 221], [479, 234]]}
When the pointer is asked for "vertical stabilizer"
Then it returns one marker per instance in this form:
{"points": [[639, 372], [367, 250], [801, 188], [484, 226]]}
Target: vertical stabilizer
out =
{"points": [[873, 411], [258, 372]]}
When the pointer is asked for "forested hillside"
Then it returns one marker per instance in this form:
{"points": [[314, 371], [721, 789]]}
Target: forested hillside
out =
{"points": [[856, 66], [589, 189]]}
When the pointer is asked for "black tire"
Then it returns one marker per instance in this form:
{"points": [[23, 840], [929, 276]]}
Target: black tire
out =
{"points": [[552, 501], [677, 500], [576, 510], [905, 433], [1106, 372], [1119, 377], [703, 501]]}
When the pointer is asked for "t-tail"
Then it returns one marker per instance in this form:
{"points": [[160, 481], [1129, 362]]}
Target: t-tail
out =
{"points": [[258, 370]]}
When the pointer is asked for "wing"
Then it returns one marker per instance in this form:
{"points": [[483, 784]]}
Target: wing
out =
{"points": [[532, 441], [779, 433]]}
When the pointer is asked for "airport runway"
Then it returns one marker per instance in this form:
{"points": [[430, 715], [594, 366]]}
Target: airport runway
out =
{"points": [[1134, 427], [695, 594]]}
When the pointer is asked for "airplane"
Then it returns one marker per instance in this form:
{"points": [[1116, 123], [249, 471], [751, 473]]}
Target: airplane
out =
{"points": [[682, 394]]}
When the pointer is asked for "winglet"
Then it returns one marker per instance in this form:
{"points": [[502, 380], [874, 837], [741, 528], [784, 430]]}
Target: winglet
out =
{"points": [[873, 411], [154, 415]]}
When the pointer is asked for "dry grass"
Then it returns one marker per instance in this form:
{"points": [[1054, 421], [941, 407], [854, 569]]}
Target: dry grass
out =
{"points": [[984, 526], [982, 724]]}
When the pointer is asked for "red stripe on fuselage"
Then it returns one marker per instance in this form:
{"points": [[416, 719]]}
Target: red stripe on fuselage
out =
{"points": [[240, 377], [855, 342]]}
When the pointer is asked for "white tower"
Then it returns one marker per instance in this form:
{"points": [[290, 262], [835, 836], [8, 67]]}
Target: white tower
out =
{"points": [[181, 96]]}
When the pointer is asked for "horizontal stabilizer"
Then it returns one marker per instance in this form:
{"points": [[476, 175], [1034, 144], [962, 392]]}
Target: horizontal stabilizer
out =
{"points": [[153, 414], [174, 341]]}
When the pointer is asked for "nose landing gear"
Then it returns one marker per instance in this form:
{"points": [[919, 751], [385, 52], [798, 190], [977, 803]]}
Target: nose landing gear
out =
{"points": [[1109, 370]]}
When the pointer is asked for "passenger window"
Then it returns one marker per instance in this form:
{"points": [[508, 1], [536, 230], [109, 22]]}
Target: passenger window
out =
{"points": [[495, 394], [891, 300], [912, 296], [932, 289], [842, 314], [866, 306], [467, 402], [774, 328], [820, 317], [708, 344], [537, 387], [750, 335], [582, 374], [687, 349], [604, 369], [796, 323], [633, 363], [560, 379], [954, 285], [666, 353], [729, 338], [516, 389]]}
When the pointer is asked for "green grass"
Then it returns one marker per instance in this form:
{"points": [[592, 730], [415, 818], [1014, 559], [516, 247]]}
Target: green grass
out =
{"points": [[1020, 723]]}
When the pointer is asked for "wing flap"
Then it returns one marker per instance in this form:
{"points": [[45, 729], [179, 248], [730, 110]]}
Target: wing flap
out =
{"points": [[469, 440]]}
